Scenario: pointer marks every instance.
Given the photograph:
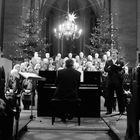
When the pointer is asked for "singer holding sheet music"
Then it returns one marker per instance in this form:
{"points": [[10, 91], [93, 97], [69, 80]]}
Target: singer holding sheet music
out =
{"points": [[114, 67]]}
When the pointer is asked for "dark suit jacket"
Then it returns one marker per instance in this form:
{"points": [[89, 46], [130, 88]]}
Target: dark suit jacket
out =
{"points": [[115, 73], [2, 82], [2, 73], [67, 83]]}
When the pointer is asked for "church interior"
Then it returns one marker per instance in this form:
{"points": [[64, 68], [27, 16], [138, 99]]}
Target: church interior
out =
{"points": [[43, 31]]}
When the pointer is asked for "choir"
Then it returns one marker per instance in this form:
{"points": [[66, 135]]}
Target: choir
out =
{"points": [[81, 62]]}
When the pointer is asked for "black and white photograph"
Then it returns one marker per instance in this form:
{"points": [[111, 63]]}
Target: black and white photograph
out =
{"points": [[69, 69]]}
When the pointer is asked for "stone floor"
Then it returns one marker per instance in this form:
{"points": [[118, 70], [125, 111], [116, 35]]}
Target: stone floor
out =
{"points": [[114, 122], [41, 127], [65, 135], [99, 126]]}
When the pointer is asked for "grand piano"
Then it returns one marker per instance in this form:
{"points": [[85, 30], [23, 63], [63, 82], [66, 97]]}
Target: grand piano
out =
{"points": [[89, 92]]}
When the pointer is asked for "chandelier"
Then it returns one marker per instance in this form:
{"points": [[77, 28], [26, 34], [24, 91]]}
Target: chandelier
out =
{"points": [[68, 28]]}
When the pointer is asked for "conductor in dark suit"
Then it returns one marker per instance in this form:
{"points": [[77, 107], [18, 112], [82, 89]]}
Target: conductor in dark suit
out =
{"points": [[114, 67], [67, 82]]}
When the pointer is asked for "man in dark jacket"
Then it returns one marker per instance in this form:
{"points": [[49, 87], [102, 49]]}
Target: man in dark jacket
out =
{"points": [[66, 93], [114, 67], [6, 114], [67, 82], [2, 78]]}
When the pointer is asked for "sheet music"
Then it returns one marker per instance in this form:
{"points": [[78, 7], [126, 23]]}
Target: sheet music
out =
{"points": [[30, 75], [82, 76]]}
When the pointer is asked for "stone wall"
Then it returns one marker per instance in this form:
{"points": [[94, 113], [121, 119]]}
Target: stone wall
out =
{"points": [[127, 23], [13, 11]]}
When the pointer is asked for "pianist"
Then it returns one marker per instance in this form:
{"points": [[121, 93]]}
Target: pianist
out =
{"points": [[67, 84]]}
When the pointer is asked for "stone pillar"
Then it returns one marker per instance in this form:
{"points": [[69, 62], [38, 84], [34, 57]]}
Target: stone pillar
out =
{"points": [[138, 24], [2, 13], [138, 31]]}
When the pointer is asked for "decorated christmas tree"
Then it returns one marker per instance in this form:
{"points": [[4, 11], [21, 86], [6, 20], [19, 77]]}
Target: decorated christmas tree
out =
{"points": [[104, 35], [30, 39]]}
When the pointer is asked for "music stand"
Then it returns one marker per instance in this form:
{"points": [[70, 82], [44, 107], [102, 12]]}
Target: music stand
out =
{"points": [[120, 116], [35, 77]]}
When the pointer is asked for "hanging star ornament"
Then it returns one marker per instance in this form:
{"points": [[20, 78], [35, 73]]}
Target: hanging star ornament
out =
{"points": [[72, 17]]}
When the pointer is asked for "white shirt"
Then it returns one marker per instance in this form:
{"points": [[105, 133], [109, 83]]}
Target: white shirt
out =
{"points": [[114, 61]]}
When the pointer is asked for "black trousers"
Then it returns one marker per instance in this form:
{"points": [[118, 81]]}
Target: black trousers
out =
{"points": [[112, 88], [6, 126]]}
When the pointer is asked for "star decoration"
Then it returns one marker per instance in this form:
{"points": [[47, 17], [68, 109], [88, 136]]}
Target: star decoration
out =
{"points": [[72, 17]]}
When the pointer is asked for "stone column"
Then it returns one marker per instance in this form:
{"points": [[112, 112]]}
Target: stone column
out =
{"points": [[2, 13], [138, 31]]}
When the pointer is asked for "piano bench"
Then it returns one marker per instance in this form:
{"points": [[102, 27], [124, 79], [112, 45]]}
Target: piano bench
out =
{"points": [[64, 108]]}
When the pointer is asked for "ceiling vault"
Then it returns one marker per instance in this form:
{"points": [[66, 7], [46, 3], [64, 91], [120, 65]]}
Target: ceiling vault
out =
{"points": [[95, 5]]}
